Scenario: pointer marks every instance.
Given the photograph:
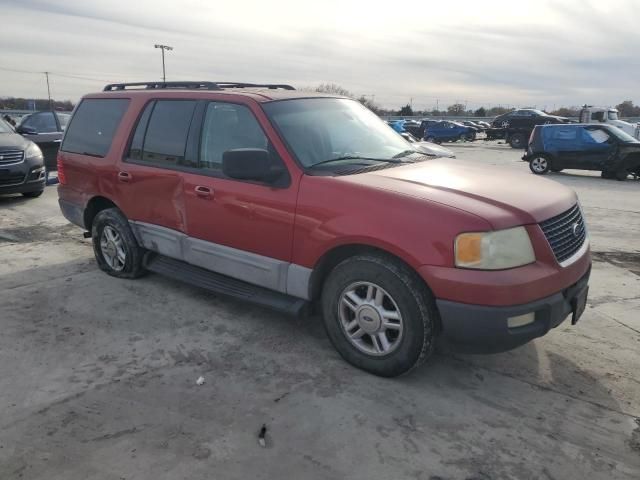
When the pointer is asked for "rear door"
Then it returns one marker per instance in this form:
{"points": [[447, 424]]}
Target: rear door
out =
{"points": [[150, 178], [566, 145], [240, 228]]}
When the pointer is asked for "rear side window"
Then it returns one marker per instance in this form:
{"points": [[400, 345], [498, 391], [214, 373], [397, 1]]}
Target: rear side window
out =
{"points": [[93, 126], [161, 135], [565, 134]]}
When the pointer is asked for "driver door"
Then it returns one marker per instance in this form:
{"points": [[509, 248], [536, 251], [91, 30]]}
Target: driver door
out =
{"points": [[240, 228]]}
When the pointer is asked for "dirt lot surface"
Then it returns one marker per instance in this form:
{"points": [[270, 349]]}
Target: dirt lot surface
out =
{"points": [[98, 375]]}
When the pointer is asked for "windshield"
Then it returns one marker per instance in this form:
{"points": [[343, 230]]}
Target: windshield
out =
{"points": [[625, 137], [322, 129], [613, 115], [4, 127]]}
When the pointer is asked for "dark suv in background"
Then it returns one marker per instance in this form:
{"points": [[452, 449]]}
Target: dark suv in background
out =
{"points": [[21, 164], [516, 126]]}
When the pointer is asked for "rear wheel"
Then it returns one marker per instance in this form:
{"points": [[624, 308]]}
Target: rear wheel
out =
{"points": [[517, 140], [539, 165], [379, 315], [114, 245]]}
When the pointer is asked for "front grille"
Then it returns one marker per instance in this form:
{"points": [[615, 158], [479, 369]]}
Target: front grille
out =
{"points": [[11, 156], [566, 233], [12, 179]]}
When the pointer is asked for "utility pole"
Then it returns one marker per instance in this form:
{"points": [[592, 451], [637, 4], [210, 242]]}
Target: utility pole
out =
{"points": [[162, 49], [46, 74]]}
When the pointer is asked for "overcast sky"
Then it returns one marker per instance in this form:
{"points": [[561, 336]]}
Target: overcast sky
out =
{"points": [[526, 53]]}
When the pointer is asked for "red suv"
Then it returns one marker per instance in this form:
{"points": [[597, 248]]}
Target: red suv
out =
{"points": [[292, 199]]}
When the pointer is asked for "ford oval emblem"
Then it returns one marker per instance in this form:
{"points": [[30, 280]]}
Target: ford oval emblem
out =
{"points": [[575, 230]]}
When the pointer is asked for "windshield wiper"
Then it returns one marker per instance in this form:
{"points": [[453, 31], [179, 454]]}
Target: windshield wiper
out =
{"points": [[405, 153], [355, 157]]}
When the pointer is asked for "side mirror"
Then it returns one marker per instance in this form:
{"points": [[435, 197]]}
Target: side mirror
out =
{"points": [[26, 130], [250, 164]]}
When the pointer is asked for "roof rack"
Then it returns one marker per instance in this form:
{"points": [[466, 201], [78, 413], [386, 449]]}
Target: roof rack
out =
{"points": [[192, 86]]}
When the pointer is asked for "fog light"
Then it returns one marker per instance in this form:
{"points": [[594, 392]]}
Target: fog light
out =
{"points": [[521, 320]]}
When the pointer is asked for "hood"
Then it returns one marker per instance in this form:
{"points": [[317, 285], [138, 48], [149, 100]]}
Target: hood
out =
{"points": [[13, 141], [503, 199], [429, 148]]}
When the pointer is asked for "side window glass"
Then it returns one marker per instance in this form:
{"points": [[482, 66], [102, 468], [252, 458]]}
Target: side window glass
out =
{"points": [[165, 141], [227, 127], [597, 136], [94, 125], [135, 149], [565, 134], [43, 122]]}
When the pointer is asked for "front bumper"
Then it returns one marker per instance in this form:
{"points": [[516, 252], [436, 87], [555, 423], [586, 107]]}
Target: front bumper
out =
{"points": [[484, 329]]}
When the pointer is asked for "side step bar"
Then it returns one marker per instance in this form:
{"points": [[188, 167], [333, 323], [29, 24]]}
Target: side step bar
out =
{"points": [[221, 284]]}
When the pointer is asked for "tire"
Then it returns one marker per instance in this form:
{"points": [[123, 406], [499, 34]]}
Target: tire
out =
{"points": [[402, 294], [517, 140], [460, 138], [33, 194], [607, 174], [114, 245], [470, 136], [621, 175], [539, 165], [430, 139]]}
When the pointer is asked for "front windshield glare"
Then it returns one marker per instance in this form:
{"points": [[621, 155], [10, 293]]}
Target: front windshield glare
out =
{"points": [[321, 129]]}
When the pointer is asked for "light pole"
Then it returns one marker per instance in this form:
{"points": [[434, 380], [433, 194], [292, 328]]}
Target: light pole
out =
{"points": [[163, 48]]}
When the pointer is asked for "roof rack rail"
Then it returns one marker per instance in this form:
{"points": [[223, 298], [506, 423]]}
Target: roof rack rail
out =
{"points": [[192, 85]]}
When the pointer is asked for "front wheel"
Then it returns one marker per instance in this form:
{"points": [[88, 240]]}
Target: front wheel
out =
{"points": [[114, 245], [379, 315], [539, 165]]}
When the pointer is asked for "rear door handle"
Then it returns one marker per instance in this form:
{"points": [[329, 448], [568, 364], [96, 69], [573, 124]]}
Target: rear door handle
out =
{"points": [[203, 192], [124, 177]]}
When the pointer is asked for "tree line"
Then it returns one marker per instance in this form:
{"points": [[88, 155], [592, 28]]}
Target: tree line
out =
{"points": [[11, 103], [626, 108]]}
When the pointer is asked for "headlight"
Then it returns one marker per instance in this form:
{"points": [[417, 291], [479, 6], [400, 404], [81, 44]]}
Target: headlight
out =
{"points": [[33, 151], [495, 250]]}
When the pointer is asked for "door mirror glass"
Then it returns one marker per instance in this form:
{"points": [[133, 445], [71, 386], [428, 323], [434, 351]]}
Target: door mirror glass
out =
{"points": [[249, 164]]}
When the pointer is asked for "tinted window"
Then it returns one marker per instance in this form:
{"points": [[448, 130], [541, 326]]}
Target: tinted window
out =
{"points": [[227, 127], [135, 150], [165, 141], [93, 126], [43, 122]]}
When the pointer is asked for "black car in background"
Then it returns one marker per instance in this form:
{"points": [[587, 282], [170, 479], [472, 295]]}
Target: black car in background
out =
{"points": [[45, 129], [21, 164], [516, 126]]}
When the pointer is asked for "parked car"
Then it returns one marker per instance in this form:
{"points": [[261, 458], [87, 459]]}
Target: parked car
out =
{"points": [[469, 123], [447, 131], [21, 164], [584, 147], [45, 129], [483, 124], [516, 126], [292, 200], [428, 148]]}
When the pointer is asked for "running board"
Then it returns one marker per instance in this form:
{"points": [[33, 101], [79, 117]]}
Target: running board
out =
{"points": [[223, 285]]}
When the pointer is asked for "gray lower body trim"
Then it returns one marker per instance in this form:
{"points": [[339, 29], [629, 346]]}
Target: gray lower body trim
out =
{"points": [[250, 267]]}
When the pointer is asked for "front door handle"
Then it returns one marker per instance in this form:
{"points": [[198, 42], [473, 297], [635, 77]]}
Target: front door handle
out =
{"points": [[124, 177], [203, 192]]}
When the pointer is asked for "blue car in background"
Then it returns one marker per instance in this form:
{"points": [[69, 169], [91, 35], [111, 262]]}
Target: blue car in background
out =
{"points": [[585, 147], [447, 131]]}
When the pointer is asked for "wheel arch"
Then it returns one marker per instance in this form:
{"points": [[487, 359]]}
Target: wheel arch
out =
{"points": [[94, 206], [339, 253]]}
